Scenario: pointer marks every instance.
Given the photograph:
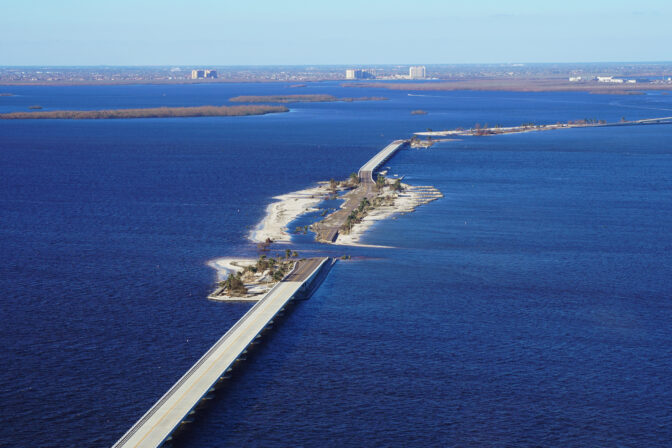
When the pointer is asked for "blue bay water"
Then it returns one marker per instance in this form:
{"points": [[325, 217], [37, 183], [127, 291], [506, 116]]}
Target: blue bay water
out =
{"points": [[530, 306]]}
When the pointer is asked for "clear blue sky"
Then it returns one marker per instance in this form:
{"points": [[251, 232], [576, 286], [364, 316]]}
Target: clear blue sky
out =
{"points": [[258, 32]]}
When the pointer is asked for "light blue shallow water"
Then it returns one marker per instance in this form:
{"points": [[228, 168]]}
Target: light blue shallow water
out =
{"points": [[530, 306]]}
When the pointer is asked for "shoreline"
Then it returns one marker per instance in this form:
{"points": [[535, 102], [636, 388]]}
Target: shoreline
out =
{"points": [[286, 209], [224, 267], [365, 203], [406, 201], [227, 266]]}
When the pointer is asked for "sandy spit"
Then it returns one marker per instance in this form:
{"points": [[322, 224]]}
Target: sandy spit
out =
{"points": [[229, 265], [286, 209]]}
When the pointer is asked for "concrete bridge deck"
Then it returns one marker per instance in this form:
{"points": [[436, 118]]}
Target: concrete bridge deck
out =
{"points": [[366, 171], [165, 416]]}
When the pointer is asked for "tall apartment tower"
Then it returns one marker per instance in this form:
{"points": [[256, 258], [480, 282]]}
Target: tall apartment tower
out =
{"points": [[363, 73], [203, 74], [417, 72]]}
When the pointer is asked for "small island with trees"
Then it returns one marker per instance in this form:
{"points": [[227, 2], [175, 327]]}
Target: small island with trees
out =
{"points": [[251, 279]]}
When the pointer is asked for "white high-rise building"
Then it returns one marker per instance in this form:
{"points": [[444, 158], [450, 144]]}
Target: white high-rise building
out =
{"points": [[417, 72], [363, 73]]}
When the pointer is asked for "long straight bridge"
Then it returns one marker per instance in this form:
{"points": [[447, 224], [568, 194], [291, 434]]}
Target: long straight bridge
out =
{"points": [[178, 403], [327, 230]]}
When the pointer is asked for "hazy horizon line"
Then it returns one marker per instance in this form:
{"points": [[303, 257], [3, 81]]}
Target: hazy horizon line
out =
{"points": [[339, 64]]}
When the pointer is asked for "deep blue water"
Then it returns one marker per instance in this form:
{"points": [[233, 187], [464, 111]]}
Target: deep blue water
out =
{"points": [[531, 306]]}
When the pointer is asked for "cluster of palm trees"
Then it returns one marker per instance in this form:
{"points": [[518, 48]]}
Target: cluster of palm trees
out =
{"points": [[380, 181], [234, 284], [356, 215]]}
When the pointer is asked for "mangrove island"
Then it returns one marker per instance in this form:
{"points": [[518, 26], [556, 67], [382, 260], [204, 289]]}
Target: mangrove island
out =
{"points": [[155, 112]]}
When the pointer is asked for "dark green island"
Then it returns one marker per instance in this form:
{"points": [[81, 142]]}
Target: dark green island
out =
{"points": [[155, 112]]}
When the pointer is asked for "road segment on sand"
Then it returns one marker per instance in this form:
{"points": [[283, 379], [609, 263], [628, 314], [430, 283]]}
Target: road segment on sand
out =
{"points": [[327, 230]]}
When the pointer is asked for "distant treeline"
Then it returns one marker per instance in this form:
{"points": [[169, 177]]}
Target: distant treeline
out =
{"points": [[156, 112], [313, 98]]}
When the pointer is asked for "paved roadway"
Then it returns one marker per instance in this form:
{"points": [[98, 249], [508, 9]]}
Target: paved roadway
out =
{"points": [[161, 420], [303, 270], [328, 229]]}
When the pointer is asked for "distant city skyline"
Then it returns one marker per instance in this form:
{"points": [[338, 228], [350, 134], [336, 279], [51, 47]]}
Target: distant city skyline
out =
{"points": [[294, 32]]}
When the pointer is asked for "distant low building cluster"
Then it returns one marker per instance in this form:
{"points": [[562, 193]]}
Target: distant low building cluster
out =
{"points": [[583, 76], [417, 72], [604, 79], [360, 73], [203, 74], [611, 79]]}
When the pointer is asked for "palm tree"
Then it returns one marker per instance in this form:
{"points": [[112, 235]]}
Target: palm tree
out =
{"points": [[380, 181]]}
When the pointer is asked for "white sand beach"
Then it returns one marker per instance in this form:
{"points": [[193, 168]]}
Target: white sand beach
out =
{"points": [[405, 202], [286, 209], [229, 265]]}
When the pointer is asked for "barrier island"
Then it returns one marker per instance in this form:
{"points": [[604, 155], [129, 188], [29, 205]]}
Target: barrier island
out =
{"points": [[155, 112]]}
